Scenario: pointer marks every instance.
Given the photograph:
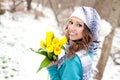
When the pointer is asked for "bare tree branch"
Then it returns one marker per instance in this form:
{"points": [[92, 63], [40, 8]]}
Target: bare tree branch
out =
{"points": [[51, 5], [29, 4], [15, 4]]}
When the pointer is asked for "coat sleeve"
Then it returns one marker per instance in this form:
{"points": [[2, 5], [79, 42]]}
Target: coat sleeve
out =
{"points": [[70, 70], [54, 74]]}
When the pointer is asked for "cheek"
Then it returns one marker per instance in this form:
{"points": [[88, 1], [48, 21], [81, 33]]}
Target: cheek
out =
{"points": [[68, 28], [80, 32]]}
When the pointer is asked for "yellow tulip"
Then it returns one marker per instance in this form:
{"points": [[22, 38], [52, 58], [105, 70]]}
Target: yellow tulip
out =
{"points": [[42, 44], [49, 35], [57, 50], [48, 40], [55, 41], [63, 41], [49, 48]]}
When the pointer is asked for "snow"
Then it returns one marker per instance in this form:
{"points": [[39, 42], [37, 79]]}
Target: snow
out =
{"points": [[18, 33]]}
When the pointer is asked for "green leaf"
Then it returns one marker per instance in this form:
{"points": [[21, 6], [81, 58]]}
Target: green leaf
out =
{"points": [[40, 51], [54, 57], [32, 49], [44, 63], [43, 52], [63, 47], [50, 55]]}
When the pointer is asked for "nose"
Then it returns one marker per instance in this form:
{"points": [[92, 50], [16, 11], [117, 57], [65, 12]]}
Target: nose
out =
{"points": [[72, 27]]}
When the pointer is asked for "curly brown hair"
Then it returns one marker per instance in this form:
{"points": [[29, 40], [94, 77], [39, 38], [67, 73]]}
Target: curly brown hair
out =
{"points": [[83, 43]]}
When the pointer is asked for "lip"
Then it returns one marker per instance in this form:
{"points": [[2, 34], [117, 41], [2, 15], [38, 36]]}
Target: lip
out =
{"points": [[73, 34]]}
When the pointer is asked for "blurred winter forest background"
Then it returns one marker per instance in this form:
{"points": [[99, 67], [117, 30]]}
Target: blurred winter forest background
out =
{"points": [[24, 22]]}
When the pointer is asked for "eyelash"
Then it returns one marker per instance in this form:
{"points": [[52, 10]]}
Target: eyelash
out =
{"points": [[80, 25], [70, 22]]}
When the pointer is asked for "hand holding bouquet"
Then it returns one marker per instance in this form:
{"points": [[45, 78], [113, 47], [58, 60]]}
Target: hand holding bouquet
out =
{"points": [[50, 48]]}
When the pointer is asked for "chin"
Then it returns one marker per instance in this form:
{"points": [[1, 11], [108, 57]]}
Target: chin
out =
{"points": [[75, 39], [72, 39]]}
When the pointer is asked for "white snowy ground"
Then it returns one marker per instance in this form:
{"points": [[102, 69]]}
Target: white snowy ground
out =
{"points": [[17, 61]]}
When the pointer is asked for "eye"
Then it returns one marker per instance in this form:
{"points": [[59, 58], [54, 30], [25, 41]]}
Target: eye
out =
{"points": [[80, 25], [70, 22]]}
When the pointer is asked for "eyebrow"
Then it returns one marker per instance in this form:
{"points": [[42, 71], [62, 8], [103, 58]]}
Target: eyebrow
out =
{"points": [[76, 21]]}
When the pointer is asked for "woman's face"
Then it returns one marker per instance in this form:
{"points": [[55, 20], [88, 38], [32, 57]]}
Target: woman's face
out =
{"points": [[75, 28]]}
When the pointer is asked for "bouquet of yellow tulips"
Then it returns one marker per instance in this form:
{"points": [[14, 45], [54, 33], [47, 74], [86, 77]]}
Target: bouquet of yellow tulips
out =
{"points": [[50, 48]]}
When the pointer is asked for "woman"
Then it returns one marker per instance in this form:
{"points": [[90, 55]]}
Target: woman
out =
{"points": [[82, 33]]}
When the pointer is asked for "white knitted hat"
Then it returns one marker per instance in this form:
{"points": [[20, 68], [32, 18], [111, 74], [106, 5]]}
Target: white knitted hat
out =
{"points": [[90, 17]]}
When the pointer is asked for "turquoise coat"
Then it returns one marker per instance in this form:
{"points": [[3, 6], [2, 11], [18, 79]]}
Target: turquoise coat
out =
{"points": [[71, 69]]}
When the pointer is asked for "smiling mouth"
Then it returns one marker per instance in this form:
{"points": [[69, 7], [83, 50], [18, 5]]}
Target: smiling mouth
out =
{"points": [[73, 34]]}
